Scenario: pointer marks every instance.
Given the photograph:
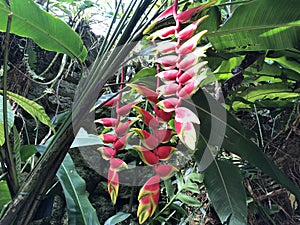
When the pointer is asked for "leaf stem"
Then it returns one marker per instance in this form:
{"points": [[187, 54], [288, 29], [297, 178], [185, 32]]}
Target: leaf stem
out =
{"points": [[12, 179]]}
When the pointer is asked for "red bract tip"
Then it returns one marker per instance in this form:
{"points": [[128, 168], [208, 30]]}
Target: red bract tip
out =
{"points": [[188, 32], [117, 164], [150, 187], [163, 33], [113, 185], [165, 171], [168, 89], [189, 89], [162, 115], [188, 14], [183, 115], [108, 138], [168, 12], [191, 44], [107, 153], [148, 93], [164, 152], [168, 75], [190, 73], [189, 60], [122, 142], [108, 122], [112, 102], [124, 110], [163, 135], [166, 47], [122, 129], [147, 117], [169, 104], [147, 156], [148, 140], [168, 61]]}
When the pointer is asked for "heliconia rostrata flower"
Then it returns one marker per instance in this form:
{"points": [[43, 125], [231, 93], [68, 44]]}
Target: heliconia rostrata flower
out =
{"points": [[180, 72]]}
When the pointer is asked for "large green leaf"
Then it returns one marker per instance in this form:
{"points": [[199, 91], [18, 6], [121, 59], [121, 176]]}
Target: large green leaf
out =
{"points": [[263, 92], [26, 151], [223, 183], [80, 210], [11, 117], [5, 197], [49, 32], [260, 25], [220, 128], [31, 107]]}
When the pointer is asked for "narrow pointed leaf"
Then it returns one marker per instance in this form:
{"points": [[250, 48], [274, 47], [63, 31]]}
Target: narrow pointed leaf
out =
{"points": [[80, 210], [31, 107], [188, 200], [117, 218]]}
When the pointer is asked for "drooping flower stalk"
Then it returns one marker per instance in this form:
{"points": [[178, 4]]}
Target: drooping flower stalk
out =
{"points": [[179, 75]]}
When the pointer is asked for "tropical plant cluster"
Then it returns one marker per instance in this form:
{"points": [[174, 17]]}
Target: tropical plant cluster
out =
{"points": [[201, 65]]}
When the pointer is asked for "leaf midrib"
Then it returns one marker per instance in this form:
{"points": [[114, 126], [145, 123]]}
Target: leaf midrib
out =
{"points": [[38, 29], [250, 97], [250, 28], [73, 187], [223, 181]]}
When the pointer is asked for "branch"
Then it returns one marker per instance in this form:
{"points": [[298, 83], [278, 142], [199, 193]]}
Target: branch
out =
{"points": [[237, 75]]}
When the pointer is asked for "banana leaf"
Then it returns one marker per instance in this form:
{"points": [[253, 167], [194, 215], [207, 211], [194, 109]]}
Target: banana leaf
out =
{"points": [[260, 25], [264, 92], [49, 32], [220, 128]]}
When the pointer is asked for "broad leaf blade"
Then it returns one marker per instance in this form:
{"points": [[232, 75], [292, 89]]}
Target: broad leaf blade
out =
{"points": [[234, 139], [47, 31], [260, 25], [146, 72], [223, 183], [80, 210], [31, 107], [265, 92]]}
